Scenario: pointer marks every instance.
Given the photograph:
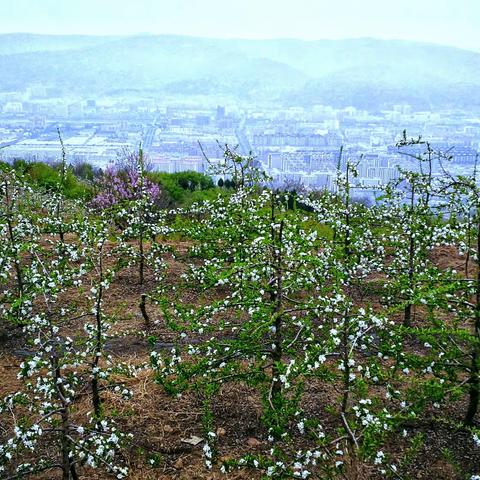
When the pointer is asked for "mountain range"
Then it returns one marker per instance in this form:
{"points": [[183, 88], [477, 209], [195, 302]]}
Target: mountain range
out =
{"points": [[366, 73]]}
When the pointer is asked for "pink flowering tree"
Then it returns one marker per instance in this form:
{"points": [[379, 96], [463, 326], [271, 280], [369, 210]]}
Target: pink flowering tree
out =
{"points": [[124, 184]]}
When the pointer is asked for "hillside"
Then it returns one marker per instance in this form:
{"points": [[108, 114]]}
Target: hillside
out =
{"points": [[15, 43], [365, 72], [255, 334]]}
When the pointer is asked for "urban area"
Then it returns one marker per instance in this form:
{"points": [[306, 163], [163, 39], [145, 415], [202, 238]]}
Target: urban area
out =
{"points": [[294, 145]]}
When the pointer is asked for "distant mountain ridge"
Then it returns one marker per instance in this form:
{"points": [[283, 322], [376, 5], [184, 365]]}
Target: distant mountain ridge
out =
{"points": [[15, 43], [367, 73]]}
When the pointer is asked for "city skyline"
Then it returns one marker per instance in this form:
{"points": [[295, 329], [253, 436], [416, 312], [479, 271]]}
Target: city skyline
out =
{"points": [[427, 21], [292, 104]]}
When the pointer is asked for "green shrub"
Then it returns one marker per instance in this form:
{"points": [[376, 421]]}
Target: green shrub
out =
{"points": [[48, 177], [185, 187]]}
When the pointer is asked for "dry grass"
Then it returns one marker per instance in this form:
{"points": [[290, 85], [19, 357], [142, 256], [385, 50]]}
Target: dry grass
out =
{"points": [[159, 422]]}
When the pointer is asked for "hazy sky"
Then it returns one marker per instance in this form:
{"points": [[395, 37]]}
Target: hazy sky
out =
{"points": [[450, 22]]}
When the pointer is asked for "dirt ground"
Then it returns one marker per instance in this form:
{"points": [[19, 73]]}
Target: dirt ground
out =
{"points": [[160, 422]]}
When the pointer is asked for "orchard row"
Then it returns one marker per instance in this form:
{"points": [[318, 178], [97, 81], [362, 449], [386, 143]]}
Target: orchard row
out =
{"points": [[279, 291]]}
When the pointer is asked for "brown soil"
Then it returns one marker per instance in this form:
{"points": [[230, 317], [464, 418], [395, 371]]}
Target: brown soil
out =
{"points": [[159, 422]]}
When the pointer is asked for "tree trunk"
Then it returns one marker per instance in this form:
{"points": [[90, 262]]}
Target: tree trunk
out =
{"points": [[407, 320], [143, 309], [276, 297], [474, 380]]}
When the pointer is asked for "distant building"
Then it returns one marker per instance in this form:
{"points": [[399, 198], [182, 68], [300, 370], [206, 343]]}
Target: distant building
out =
{"points": [[75, 109], [220, 115], [202, 120], [13, 107]]}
